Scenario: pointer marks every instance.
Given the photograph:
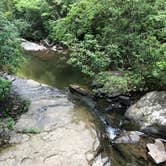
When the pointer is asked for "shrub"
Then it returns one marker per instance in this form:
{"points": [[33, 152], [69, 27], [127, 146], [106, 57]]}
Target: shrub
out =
{"points": [[10, 54], [117, 35], [4, 88], [112, 82]]}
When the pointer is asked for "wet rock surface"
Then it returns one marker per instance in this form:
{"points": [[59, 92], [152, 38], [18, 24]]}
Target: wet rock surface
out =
{"points": [[128, 147], [53, 132], [150, 113]]}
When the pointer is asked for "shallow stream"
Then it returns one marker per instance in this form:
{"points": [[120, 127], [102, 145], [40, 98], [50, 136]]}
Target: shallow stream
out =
{"points": [[69, 131]]}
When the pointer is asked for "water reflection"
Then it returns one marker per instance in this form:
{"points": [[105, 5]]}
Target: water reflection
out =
{"points": [[51, 69]]}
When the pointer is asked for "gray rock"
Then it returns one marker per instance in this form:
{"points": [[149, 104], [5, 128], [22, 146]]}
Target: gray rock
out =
{"points": [[30, 46], [157, 151], [79, 90], [129, 137], [150, 113], [4, 135]]}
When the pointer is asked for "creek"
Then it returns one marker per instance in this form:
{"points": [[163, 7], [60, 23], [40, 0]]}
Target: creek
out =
{"points": [[61, 128]]}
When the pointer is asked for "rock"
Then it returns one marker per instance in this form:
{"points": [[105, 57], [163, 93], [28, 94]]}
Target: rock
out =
{"points": [[46, 43], [30, 46], [157, 151], [4, 135], [129, 137], [124, 100], [99, 161], [59, 49], [96, 85], [114, 95], [114, 107], [79, 90], [117, 102], [54, 48], [131, 152], [64, 134], [150, 113]]}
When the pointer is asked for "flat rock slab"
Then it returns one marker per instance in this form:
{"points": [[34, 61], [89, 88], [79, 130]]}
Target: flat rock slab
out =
{"points": [[65, 133], [129, 137], [30, 46], [157, 151]]}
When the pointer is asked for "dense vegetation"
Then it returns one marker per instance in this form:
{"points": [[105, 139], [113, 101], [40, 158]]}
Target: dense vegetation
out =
{"points": [[9, 53], [105, 37], [10, 56]]}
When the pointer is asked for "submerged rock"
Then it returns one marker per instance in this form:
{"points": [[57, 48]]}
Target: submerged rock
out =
{"points": [[64, 134], [157, 151], [150, 113]]}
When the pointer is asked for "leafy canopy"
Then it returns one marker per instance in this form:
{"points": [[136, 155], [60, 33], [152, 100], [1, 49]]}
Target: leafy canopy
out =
{"points": [[103, 36]]}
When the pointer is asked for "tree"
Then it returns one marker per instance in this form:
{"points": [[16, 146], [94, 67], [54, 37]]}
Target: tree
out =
{"points": [[9, 45], [9, 53], [129, 35]]}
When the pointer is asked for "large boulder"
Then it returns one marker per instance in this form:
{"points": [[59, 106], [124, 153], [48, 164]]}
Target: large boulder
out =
{"points": [[150, 113]]}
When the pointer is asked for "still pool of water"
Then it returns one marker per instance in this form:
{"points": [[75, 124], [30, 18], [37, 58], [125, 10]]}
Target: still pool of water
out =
{"points": [[51, 69]]}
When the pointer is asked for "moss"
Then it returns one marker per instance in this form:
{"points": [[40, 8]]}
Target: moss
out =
{"points": [[31, 130]]}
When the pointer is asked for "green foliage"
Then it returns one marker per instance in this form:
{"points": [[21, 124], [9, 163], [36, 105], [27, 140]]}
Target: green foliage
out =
{"points": [[4, 88], [88, 56], [112, 82], [34, 12], [105, 35], [7, 8], [129, 35], [25, 106], [10, 123], [9, 45], [77, 22], [29, 15], [31, 130], [37, 14]]}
